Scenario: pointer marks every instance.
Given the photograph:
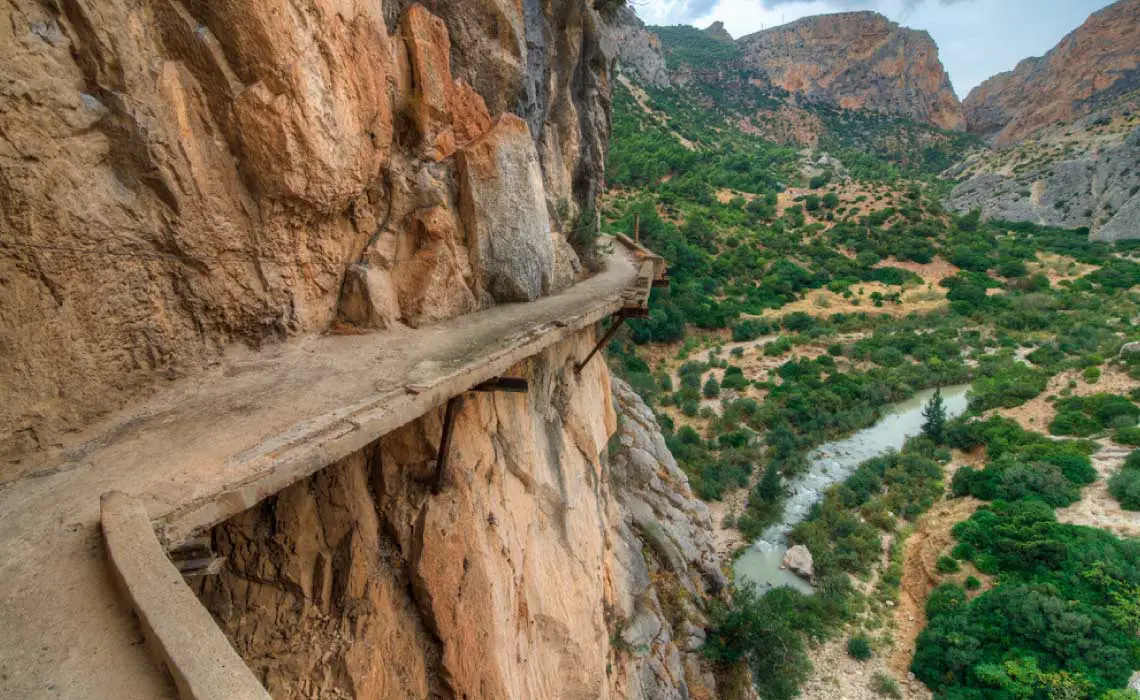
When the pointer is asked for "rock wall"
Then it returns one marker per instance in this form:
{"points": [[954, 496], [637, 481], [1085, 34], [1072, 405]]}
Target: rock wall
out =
{"points": [[548, 565], [1098, 189], [857, 60], [1097, 62], [180, 176], [638, 50]]}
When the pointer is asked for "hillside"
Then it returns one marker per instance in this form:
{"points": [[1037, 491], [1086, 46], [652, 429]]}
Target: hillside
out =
{"points": [[1095, 64], [856, 60], [818, 281]]}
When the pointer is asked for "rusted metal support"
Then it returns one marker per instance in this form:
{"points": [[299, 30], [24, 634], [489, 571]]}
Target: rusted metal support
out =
{"points": [[662, 283], [197, 558], [513, 385], [619, 319], [453, 405]]}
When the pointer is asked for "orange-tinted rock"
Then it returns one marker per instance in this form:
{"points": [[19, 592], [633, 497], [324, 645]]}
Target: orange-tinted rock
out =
{"points": [[433, 283], [857, 60], [447, 113], [1100, 60]]}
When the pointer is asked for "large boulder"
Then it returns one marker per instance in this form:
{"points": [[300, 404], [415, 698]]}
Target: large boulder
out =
{"points": [[503, 203], [799, 561]]}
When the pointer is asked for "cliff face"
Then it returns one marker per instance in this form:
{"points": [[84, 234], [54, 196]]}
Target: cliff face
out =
{"points": [[1075, 175], [857, 60], [179, 177], [638, 49], [1091, 66], [547, 566]]}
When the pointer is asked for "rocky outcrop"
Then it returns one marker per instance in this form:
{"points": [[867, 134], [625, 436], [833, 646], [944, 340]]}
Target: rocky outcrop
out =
{"points": [[1096, 63], [638, 50], [1097, 187], [180, 177], [856, 60], [799, 561], [537, 570]]}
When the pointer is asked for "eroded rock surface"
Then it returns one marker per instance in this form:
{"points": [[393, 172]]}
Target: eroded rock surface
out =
{"points": [[1094, 64], [179, 177], [537, 571], [857, 60]]}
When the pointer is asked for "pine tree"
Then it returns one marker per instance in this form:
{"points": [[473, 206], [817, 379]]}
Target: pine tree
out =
{"points": [[934, 425], [771, 487]]}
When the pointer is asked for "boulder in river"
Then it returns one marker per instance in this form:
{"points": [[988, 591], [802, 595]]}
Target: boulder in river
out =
{"points": [[799, 561]]}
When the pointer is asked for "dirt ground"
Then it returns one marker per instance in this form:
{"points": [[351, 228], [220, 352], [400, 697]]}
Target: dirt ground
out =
{"points": [[1097, 508], [836, 674], [1038, 412]]}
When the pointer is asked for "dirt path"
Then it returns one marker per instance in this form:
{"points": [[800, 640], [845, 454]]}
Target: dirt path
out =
{"points": [[206, 447], [931, 540], [1097, 508]]}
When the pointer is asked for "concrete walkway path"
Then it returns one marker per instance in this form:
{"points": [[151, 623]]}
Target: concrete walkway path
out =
{"points": [[211, 446]]}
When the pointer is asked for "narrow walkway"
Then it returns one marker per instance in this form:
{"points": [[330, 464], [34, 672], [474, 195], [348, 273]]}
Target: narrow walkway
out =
{"points": [[211, 446]]}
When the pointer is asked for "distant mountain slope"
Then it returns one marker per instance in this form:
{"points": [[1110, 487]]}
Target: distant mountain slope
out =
{"points": [[857, 60], [1095, 64]]}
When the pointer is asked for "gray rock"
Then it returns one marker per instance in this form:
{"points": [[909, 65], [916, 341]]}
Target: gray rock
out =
{"points": [[1099, 189], [503, 202], [799, 561], [638, 50], [1130, 349], [641, 629]]}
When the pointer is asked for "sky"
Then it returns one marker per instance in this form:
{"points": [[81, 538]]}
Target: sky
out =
{"points": [[976, 38]]}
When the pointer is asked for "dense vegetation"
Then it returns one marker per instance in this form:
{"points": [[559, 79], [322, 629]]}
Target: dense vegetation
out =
{"points": [[749, 226]]}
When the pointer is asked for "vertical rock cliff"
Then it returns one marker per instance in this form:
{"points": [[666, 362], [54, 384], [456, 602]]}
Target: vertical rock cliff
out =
{"points": [[546, 565], [180, 176], [857, 60], [1096, 63]]}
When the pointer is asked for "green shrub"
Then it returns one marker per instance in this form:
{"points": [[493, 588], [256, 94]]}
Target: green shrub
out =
{"points": [[972, 583], [1091, 374], [947, 565], [886, 686], [1124, 486], [859, 648], [711, 389], [1128, 436]]}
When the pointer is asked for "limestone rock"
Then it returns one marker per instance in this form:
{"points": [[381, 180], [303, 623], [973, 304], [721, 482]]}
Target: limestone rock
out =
{"points": [[856, 60], [1097, 188], [799, 561], [447, 112], [203, 175], [503, 202], [1130, 349], [1097, 62], [368, 299], [638, 49], [514, 581]]}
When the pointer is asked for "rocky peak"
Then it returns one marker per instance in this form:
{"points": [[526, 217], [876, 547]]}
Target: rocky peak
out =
{"points": [[857, 60], [717, 31], [1096, 63]]}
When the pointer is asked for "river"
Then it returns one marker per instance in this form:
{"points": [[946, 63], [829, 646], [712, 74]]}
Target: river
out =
{"points": [[832, 463]]}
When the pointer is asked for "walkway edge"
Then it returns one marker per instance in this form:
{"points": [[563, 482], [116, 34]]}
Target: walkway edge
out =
{"points": [[177, 627]]}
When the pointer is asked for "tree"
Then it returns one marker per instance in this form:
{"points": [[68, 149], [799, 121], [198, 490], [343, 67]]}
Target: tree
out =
{"points": [[934, 415], [712, 388], [771, 487]]}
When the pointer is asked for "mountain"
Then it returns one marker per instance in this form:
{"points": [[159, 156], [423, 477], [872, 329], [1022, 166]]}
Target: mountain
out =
{"points": [[1065, 131], [857, 60], [1096, 63]]}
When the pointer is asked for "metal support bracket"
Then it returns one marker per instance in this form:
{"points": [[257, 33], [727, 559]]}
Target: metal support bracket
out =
{"points": [[512, 385], [619, 319]]}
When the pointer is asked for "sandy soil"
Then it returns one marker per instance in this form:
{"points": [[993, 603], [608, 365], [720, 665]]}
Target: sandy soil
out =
{"points": [[836, 674], [1097, 508], [1038, 412]]}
